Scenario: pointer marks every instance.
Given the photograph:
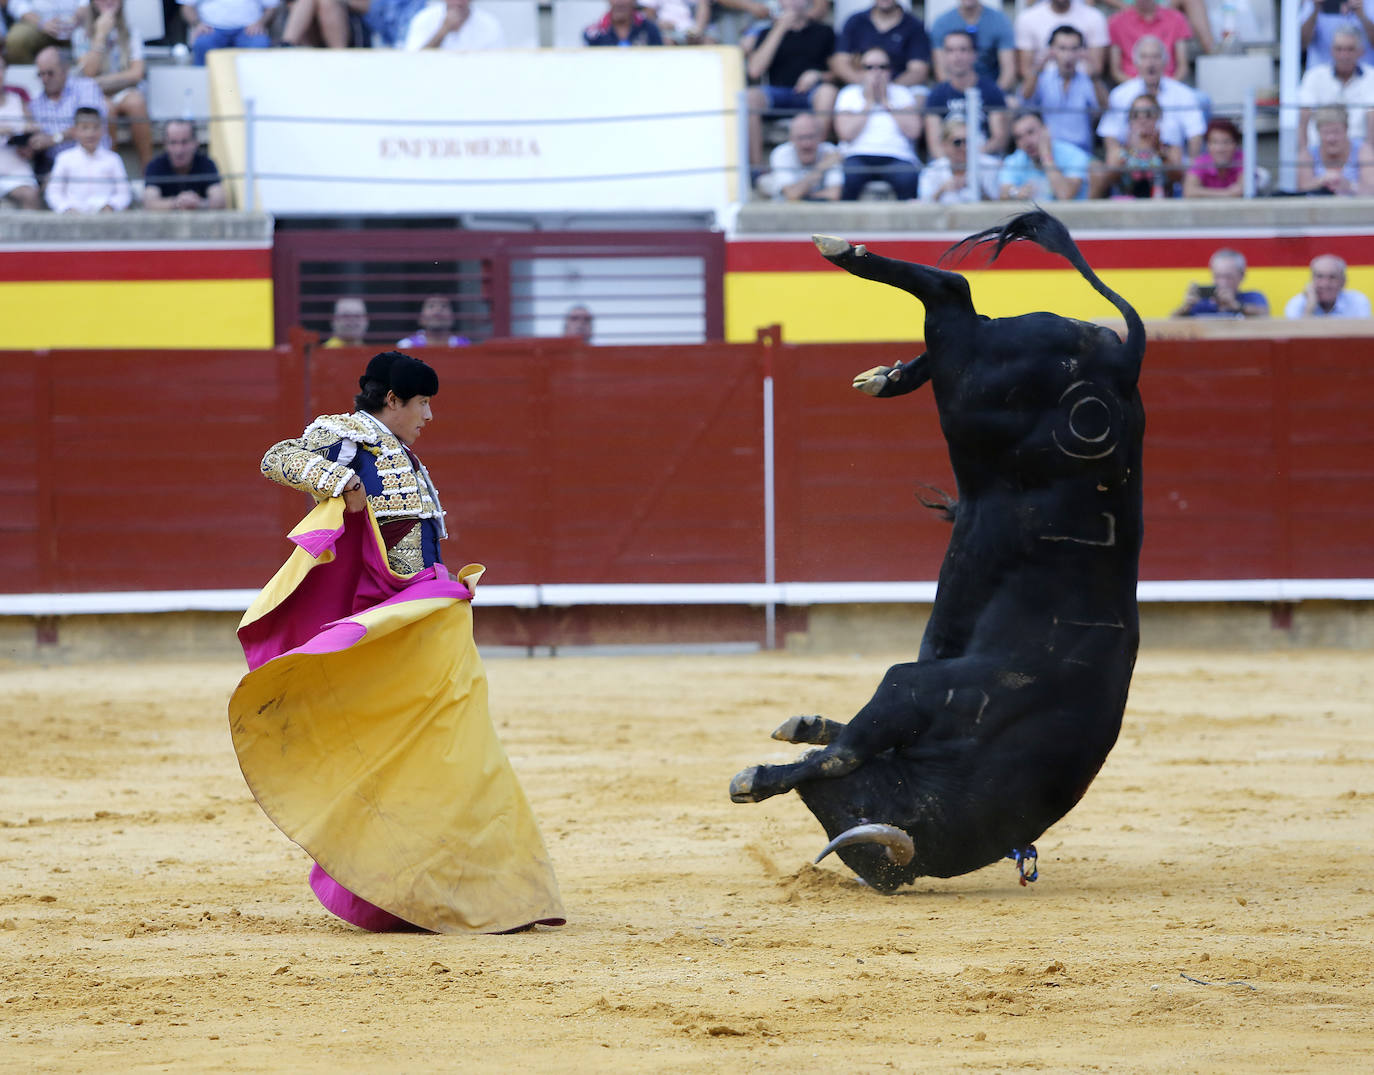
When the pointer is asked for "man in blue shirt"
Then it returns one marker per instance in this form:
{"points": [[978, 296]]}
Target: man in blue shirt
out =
{"points": [[1223, 297], [1042, 169], [888, 27], [992, 37], [1068, 97], [622, 25], [947, 98]]}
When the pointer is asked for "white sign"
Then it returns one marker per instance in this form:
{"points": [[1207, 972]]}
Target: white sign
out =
{"points": [[378, 131]]}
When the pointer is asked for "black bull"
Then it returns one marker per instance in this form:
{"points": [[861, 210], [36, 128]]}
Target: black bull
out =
{"points": [[970, 753]]}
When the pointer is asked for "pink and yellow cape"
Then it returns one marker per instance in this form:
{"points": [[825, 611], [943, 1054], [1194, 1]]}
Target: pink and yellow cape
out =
{"points": [[363, 732]]}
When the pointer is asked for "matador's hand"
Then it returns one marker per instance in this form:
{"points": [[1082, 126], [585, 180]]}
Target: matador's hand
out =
{"points": [[872, 382], [355, 497]]}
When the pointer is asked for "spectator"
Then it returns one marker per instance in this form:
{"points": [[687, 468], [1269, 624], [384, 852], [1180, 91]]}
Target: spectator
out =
{"points": [[226, 24], [1343, 81], [945, 179], [1142, 166], [182, 177], [1220, 171], [36, 25], [454, 24], [577, 322], [682, 22], [54, 110], [1337, 164], [388, 20], [947, 98], [87, 177], [1317, 28], [349, 323], [1199, 19], [1042, 169], [105, 50], [1069, 100], [993, 38], [804, 168], [623, 25], [878, 121], [886, 25], [790, 59], [1181, 121], [436, 324], [1223, 296], [1326, 294], [1143, 17], [331, 24], [1036, 23], [16, 129]]}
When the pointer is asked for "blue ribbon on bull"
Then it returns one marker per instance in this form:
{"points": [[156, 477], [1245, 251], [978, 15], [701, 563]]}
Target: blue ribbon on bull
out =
{"points": [[1025, 859]]}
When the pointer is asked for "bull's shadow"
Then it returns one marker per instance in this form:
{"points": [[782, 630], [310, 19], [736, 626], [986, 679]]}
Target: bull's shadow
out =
{"points": [[967, 755]]}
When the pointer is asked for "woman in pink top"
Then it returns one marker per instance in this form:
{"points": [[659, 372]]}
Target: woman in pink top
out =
{"points": [[1220, 171]]}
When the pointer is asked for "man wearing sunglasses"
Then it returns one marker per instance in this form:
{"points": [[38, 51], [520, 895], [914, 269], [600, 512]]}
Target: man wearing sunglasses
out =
{"points": [[879, 122], [947, 99]]}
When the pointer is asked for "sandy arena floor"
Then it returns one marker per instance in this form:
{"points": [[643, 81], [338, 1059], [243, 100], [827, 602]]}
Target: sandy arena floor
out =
{"points": [[1208, 907]]}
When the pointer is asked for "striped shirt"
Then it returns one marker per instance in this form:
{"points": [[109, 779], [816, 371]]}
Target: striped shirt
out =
{"points": [[56, 116]]}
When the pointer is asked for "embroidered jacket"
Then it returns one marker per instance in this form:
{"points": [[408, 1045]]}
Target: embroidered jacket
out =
{"points": [[334, 447]]}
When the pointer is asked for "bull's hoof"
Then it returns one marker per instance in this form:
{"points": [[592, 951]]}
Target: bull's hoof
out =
{"points": [[831, 246], [808, 729], [742, 787], [875, 381]]}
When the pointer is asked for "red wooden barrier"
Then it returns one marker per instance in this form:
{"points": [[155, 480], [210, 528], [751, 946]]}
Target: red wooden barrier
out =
{"points": [[565, 463]]}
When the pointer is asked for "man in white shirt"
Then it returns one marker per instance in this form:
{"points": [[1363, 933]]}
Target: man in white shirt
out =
{"points": [[1034, 26], [877, 121], [1325, 294], [454, 24], [1343, 81], [1182, 122], [88, 178], [804, 168]]}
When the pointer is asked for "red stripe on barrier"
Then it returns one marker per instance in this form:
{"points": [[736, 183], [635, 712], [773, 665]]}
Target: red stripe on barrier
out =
{"points": [[1173, 252], [68, 266]]}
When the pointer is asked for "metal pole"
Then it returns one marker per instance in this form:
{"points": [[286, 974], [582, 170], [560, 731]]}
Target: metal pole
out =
{"points": [[973, 139], [770, 535], [250, 182], [1249, 142], [746, 183], [1289, 72]]}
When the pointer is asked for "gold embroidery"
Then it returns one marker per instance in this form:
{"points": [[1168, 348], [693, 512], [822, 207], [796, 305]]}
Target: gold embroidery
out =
{"points": [[406, 491], [407, 556]]}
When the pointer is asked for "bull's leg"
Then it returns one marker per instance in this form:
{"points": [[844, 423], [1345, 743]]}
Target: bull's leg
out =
{"points": [[888, 381], [898, 712], [950, 694], [936, 288], [809, 729]]}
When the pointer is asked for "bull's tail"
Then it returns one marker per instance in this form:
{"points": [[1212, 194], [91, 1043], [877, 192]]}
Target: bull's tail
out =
{"points": [[1049, 233]]}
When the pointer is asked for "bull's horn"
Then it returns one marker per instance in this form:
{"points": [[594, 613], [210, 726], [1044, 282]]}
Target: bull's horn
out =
{"points": [[899, 847]]}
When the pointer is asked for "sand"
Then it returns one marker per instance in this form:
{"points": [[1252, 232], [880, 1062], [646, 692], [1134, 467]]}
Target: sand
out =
{"points": [[1209, 906]]}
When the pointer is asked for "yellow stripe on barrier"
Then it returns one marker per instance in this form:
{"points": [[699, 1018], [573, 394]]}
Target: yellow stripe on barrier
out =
{"points": [[136, 314], [825, 305]]}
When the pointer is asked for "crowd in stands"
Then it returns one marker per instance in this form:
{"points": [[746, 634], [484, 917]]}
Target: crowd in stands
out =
{"points": [[1073, 100], [1226, 296], [1066, 100]]}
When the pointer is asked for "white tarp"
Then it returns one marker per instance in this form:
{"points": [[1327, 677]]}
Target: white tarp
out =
{"points": [[382, 131]]}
